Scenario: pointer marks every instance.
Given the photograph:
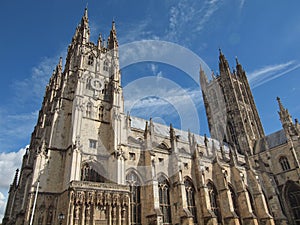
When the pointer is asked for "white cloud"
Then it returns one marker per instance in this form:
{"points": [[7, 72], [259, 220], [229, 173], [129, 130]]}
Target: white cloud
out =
{"points": [[32, 88], [271, 72], [15, 128], [212, 6], [2, 205], [9, 162], [191, 16], [136, 32], [162, 98], [18, 116], [242, 3]]}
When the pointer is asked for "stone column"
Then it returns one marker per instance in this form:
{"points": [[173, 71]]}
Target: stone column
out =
{"points": [[71, 213]]}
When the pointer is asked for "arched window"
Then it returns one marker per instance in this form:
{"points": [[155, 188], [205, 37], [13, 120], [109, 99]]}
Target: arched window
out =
{"points": [[284, 163], [90, 60], [135, 198], [190, 198], [89, 174], [214, 201], [234, 200], [88, 85], [101, 112], [293, 197], [89, 110], [105, 66], [164, 200]]}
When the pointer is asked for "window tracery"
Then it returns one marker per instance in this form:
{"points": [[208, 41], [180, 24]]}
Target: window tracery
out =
{"points": [[190, 198], [284, 163], [135, 198], [89, 110], [214, 201], [164, 200], [90, 60], [105, 66]]}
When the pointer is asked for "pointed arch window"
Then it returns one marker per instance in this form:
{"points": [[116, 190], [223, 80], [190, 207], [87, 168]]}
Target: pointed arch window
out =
{"points": [[135, 198], [284, 162], [214, 200], [105, 66], [164, 200], [101, 112], [89, 110], [293, 195], [90, 60], [190, 198], [88, 83]]}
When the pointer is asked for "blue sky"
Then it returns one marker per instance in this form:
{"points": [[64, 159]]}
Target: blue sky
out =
{"points": [[264, 35]]}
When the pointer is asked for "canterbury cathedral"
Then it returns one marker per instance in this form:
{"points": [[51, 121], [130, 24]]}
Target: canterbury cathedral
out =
{"points": [[90, 163]]}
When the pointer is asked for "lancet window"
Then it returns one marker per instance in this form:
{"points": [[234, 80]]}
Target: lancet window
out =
{"points": [[284, 163], [214, 200], [135, 198], [190, 198], [164, 200]]}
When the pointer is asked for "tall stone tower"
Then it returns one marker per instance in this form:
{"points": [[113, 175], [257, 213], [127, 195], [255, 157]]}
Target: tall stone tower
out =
{"points": [[89, 164], [77, 136], [230, 108]]}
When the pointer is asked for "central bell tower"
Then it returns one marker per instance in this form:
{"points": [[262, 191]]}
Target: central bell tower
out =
{"points": [[230, 108], [77, 138]]}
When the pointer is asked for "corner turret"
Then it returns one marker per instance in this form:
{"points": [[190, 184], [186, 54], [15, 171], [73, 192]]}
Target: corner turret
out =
{"points": [[82, 34], [112, 40], [287, 122]]}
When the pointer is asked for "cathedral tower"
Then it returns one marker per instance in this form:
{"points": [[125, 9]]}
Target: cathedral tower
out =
{"points": [[77, 136], [89, 164], [230, 108]]}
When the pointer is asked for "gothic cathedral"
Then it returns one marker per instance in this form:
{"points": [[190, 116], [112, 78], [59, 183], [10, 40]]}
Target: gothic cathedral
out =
{"points": [[89, 163]]}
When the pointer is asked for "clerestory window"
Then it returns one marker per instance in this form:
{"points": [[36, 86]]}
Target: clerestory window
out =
{"points": [[90, 60], [284, 163]]}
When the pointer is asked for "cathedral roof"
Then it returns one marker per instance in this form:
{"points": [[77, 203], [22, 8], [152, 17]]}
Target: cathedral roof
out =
{"points": [[164, 131], [276, 138], [271, 141]]}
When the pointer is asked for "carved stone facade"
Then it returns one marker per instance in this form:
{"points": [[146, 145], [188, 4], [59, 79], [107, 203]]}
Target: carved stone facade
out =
{"points": [[90, 164]]}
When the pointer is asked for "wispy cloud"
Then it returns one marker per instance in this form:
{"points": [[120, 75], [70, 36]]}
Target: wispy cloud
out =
{"points": [[271, 72], [191, 16], [242, 3], [161, 98], [33, 87], [18, 116], [135, 32], [15, 129], [209, 9]]}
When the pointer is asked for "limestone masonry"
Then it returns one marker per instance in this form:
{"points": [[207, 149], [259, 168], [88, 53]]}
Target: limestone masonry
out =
{"points": [[92, 164]]}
